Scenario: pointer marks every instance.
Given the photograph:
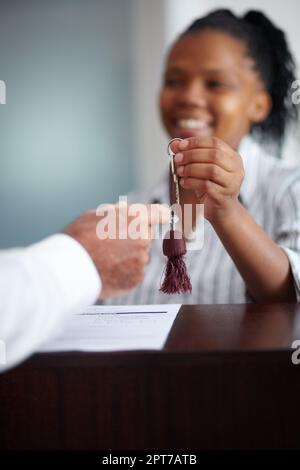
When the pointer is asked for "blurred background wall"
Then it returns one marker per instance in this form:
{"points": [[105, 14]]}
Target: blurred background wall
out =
{"points": [[80, 125], [66, 128]]}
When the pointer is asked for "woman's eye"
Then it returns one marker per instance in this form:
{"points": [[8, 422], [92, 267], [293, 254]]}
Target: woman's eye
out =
{"points": [[215, 84], [173, 82]]}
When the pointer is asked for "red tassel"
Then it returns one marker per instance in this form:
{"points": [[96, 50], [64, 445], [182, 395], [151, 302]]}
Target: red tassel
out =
{"points": [[176, 279]]}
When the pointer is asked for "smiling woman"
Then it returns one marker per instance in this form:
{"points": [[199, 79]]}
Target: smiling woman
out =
{"points": [[232, 71], [226, 78], [213, 90]]}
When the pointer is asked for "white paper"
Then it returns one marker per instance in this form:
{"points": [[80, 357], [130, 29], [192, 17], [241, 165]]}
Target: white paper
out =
{"points": [[116, 328]]}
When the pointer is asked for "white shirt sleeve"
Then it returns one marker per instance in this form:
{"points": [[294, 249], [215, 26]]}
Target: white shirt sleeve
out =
{"points": [[39, 286]]}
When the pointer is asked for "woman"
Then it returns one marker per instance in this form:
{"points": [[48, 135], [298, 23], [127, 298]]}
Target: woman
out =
{"points": [[227, 78]]}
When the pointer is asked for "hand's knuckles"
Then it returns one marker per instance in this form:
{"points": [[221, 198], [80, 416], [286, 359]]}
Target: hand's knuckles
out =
{"points": [[206, 185], [214, 172], [214, 155], [143, 243], [187, 171], [196, 142], [130, 274], [216, 142], [144, 258]]}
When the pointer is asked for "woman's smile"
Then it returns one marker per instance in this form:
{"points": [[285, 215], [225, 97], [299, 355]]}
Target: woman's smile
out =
{"points": [[210, 88]]}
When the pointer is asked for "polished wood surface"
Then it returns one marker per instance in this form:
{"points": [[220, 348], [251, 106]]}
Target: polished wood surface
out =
{"points": [[224, 379]]}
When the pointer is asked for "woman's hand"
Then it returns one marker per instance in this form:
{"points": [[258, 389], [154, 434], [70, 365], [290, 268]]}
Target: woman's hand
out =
{"points": [[213, 170]]}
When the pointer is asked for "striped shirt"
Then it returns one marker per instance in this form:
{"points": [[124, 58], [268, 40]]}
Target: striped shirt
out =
{"points": [[271, 194]]}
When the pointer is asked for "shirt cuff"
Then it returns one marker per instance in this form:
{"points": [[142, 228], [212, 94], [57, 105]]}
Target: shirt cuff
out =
{"points": [[294, 259], [72, 267]]}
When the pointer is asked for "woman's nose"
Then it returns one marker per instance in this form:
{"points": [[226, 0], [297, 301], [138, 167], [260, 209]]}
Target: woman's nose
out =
{"points": [[193, 94]]}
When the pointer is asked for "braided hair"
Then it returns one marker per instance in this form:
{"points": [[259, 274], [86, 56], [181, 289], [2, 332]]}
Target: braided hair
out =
{"points": [[267, 46]]}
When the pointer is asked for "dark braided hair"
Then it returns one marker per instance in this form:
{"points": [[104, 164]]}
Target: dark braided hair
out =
{"points": [[267, 46]]}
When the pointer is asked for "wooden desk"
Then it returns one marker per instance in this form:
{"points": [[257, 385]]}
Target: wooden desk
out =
{"points": [[224, 380]]}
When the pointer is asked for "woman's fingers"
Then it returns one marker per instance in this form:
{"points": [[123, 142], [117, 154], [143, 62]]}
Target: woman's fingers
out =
{"points": [[202, 142], [209, 171], [201, 185], [215, 156]]}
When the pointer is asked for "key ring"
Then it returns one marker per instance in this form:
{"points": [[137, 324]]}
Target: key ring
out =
{"points": [[170, 151], [171, 155]]}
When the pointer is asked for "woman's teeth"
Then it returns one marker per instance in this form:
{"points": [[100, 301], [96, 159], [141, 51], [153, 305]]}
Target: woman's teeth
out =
{"points": [[192, 124]]}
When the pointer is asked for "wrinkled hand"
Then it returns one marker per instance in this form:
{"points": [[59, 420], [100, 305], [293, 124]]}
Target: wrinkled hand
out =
{"points": [[213, 170], [120, 262]]}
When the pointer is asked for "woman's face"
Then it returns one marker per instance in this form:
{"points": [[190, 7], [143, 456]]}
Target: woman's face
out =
{"points": [[211, 89]]}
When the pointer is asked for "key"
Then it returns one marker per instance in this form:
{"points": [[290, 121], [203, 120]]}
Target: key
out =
{"points": [[175, 178]]}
